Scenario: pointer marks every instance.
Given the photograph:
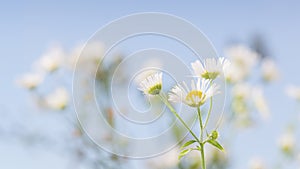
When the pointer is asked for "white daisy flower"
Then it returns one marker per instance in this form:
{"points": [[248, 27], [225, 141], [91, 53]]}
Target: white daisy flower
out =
{"points": [[287, 142], [242, 59], [269, 70], [234, 74], [31, 80], [211, 68], [142, 76], [152, 85], [51, 60], [149, 63], [293, 92], [194, 96], [57, 100], [242, 55]]}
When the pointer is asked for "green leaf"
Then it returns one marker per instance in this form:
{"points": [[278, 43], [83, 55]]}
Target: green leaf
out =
{"points": [[187, 144], [183, 153], [216, 144]]}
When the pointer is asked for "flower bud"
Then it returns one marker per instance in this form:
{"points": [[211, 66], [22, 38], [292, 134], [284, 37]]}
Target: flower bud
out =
{"points": [[214, 135]]}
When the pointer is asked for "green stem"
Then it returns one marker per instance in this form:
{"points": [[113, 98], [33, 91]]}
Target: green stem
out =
{"points": [[200, 123], [208, 114], [201, 138], [202, 156], [177, 115]]}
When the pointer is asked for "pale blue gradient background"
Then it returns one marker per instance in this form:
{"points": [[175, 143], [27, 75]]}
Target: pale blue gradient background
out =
{"points": [[29, 27]]}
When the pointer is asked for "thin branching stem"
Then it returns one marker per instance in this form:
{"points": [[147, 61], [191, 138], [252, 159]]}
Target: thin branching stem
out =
{"points": [[209, 112], [177, 115], [201, 139]]}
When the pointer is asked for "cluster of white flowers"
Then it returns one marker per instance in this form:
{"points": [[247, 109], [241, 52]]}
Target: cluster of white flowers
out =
{"points": [[47, 63], [243, 60], [199, 91], [246, 96], [54, 59], [194, 96]]}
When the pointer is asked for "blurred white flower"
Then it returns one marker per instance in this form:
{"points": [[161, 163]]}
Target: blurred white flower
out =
{"points": [[242, 55], [242, 59], [51, 60], [257, 163], [234, 74], [57, 100], [152, 85], [293, 92], [165, 161], [31, 80], [89, 53], [194, 96], [260, 102], [269, 70], [241, 91], [211, 68], [287, 142]]}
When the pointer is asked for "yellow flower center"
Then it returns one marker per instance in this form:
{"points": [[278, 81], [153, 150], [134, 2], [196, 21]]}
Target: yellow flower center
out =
{"points": [[210, 75], [194, 94], [155, 89]]}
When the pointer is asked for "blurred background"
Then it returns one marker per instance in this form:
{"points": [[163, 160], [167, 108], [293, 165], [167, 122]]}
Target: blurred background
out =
{"points": [[42, 39]]}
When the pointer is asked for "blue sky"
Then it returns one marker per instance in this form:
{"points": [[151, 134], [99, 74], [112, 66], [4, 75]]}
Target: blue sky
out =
{"points": [[29, 27]]}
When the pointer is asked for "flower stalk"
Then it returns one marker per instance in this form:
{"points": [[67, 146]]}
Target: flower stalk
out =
{"points": [[201, 139], [194, 96], [166, 102]]}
